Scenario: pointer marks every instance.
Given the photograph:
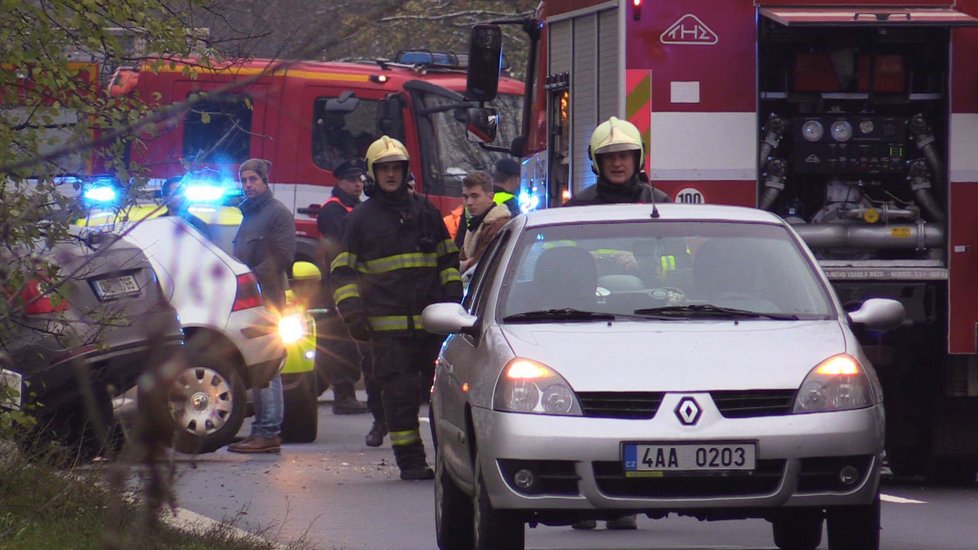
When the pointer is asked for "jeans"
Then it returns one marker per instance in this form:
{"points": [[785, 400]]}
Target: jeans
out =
{"points": [[269, 409]]}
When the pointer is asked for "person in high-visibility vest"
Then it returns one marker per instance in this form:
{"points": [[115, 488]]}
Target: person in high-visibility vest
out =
{"points": [[396, 258], [506, 184]]}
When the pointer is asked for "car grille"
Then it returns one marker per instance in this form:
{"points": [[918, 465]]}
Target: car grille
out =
{"points": [[635, 405], [764, 480], [754, 403]]}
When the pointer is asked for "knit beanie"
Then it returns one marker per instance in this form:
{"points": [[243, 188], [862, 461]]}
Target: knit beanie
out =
{"points": [[259, 166]]}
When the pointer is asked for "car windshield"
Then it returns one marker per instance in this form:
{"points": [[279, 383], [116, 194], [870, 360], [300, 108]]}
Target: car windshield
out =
{"points": [[662, 271]]}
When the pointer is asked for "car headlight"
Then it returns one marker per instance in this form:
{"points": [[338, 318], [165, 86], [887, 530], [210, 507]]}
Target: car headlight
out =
{"points": [[526, 386], [292, 328], [838, 383]]}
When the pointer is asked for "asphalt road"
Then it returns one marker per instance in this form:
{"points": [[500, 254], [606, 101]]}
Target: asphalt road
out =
{"points": [[337, 493]]}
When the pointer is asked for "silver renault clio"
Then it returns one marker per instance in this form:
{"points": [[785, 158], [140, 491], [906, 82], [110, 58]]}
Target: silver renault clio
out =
{"points": [[684, 359]]}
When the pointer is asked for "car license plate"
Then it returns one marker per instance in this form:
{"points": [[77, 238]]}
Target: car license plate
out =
{"points": [[115, 287], [656, 459]]}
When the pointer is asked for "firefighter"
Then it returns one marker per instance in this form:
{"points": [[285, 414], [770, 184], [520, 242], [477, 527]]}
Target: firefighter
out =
{"points": [[617, 157], [396, 257]]}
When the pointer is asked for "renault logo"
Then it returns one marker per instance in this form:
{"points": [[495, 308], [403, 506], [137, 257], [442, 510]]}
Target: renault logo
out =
{"points": [[688, 411]]}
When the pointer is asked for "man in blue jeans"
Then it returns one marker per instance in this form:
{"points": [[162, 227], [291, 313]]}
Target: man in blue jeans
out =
{"points": [[265, 243]]}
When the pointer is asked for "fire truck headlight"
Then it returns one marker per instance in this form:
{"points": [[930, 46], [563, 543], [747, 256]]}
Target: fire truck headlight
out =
{"points": [[841, 130], [812, 130], [526, 386], [838, 383], [292, 328]]}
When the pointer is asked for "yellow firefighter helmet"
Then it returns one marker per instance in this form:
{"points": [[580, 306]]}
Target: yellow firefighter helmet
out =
{"points": [[385, 149], [615, 135]]}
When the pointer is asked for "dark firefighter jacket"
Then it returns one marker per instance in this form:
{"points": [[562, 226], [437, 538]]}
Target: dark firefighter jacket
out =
{"points": [[266, 243], [637, 190], [330, 224], [394, 261]]}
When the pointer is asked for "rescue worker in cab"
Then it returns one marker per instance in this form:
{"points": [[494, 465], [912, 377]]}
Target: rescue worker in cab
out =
{"points": [[396, 258], [343, 358], [617, 157]]}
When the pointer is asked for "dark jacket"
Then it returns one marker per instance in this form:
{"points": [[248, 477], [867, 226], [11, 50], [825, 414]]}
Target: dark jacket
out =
{"points": [[397, 257], [637, 190], [330, 217], [265, 242], [330, 224]]}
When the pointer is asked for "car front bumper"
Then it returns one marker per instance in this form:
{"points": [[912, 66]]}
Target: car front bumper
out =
{"points": [[798, 459]]}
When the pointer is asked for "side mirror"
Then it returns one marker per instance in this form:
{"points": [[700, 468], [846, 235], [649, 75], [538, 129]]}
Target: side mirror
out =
{"points": [[347, 102], [447, 318], [485, 58], [879, 313], [388, 113], [482, 125]]}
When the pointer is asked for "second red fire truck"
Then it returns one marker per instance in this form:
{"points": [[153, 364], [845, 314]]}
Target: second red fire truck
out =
{"points": [[855, 121]]}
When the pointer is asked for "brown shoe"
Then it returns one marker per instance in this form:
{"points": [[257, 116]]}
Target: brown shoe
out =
{"points": [[257, 444]]}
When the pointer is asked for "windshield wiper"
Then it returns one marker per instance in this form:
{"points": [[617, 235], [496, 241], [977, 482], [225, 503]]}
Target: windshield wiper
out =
{"points": [[710, 310], [563, 314]]}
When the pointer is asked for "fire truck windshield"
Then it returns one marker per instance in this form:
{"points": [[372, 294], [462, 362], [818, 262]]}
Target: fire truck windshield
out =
{"points": [[448, 156]]}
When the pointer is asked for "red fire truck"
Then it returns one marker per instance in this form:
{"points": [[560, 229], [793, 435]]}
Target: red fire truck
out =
{"points": [[855, 120], [306, 117]]}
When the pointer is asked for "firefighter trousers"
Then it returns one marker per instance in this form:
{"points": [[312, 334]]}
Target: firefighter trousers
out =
{"points": [[403, 366], [341, 359]]}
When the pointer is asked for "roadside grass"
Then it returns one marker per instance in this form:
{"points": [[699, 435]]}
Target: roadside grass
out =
{"points": [[46, 503]]}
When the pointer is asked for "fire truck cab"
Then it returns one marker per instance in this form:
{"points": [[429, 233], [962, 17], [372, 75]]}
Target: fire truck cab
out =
{"points": [[306, 117], [855, 121]]}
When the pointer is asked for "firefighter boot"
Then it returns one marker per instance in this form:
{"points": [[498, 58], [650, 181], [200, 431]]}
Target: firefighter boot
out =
{"points": [[346, 402], [375, 437], [411, 460]]}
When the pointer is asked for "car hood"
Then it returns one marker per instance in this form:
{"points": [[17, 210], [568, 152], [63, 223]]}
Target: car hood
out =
{"points": [[679, 356]]}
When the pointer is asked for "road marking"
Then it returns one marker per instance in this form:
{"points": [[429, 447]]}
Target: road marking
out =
{"points": [[901, 500]]}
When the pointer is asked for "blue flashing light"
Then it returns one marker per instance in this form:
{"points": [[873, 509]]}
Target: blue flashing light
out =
{"points": [[528, 201], [101, 193], [203, 192]]}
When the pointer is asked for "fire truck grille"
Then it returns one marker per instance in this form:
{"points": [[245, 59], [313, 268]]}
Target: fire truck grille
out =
{"points": [[764, 480], [630, 405], [754, 403]]}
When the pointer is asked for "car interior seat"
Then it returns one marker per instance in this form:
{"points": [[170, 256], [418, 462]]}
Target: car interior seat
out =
{"points": [[724, 272], [565, 277]]}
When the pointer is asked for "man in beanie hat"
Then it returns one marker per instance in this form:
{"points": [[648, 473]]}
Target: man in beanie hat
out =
{"points": [[396, 259], [265, 242]]}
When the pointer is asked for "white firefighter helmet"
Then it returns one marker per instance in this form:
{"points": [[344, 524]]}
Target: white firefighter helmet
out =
{"points": [[615, 135], [385, 149]]}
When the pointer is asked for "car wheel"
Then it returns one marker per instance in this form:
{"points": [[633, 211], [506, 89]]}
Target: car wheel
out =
{"points": [[207, 404], [453, 510], [301, 421], [855, 527], [798, 530], [493, 529]]}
